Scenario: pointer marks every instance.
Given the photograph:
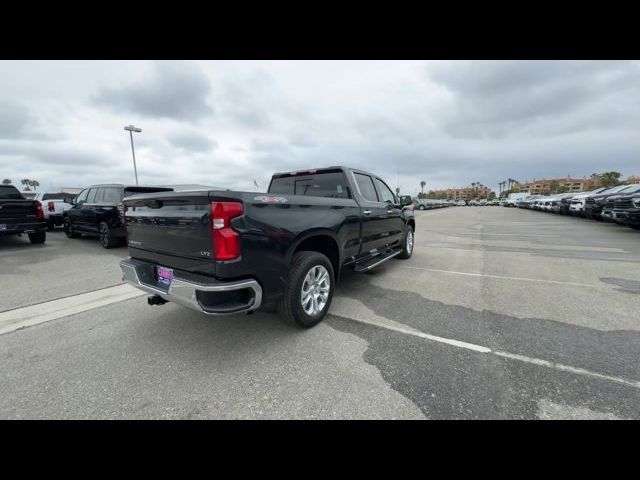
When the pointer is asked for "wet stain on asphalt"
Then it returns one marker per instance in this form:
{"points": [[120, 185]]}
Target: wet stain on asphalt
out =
{"points": [[626, 285], [449, 382]]}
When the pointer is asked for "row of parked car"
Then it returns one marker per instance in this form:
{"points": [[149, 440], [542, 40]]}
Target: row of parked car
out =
{"points": [[426, 204], [619, 204]]}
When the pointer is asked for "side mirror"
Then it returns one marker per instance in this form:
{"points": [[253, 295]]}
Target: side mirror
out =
{"points": [[405, 200]]}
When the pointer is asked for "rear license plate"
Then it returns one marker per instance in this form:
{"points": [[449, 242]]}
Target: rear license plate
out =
{"points": [[165, 275], [3, 226]]}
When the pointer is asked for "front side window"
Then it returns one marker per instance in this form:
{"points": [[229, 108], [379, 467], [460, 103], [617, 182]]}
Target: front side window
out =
{"points": [[82, 196], [365, 185], [91, 198], [385, 191]]}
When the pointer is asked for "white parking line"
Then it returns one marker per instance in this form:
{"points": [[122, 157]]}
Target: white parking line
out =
{"points": [[354, 310], [502, 277], [11, 320]]}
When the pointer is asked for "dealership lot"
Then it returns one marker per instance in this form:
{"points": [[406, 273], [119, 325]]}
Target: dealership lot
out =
{"points": [[500, 313]]}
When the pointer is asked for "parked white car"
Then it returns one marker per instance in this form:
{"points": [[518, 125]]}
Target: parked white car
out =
{"points": [[578, 201], [53, 206]]}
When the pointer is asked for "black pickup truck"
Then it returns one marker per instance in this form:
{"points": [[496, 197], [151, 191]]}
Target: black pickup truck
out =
{"points": [[223, 252], [19, 215]]}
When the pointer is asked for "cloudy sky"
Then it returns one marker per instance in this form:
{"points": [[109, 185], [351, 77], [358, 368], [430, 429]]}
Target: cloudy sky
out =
{"points": [[226, 123]]}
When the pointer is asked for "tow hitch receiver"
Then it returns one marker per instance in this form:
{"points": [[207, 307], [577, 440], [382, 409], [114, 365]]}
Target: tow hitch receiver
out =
{"points": [[156, 300]]}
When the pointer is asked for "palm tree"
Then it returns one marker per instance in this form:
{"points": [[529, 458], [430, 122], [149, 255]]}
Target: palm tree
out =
{"points": [[6, 181], [422, 185], [35, 184], [26, 182]]}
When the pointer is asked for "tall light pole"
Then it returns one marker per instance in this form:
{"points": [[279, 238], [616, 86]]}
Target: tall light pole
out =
{"points": [[132, 129]]}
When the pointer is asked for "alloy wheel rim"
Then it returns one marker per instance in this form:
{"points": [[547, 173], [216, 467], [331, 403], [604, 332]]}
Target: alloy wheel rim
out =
{"points": [[410, 241], [103, 235], [314, 294]]}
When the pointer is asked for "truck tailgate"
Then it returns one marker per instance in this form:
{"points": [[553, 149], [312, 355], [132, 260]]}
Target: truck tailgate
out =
{"points": [[170, 228], [12, 211]]}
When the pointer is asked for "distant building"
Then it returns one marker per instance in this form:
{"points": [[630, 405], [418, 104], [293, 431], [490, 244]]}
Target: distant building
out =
{"points": [[632, 179], [74, 190], [543, 186], [467, 193]]}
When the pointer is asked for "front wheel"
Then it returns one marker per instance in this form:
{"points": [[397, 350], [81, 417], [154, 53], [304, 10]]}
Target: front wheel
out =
{"points": [[309, 289], [68, 229], [421, 207], [407, 243]]}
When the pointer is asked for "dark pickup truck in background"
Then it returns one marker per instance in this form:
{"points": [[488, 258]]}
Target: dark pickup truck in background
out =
{"points": [[19, 215], [224, 252]]}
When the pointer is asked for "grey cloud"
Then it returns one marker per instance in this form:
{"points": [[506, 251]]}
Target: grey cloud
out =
{"points": [[15, 120], [243, 99], [496, 99], [192, 141], [176, 91]]}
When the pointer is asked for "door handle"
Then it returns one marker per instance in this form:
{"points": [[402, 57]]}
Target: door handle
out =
{"points": [[366, 212]]}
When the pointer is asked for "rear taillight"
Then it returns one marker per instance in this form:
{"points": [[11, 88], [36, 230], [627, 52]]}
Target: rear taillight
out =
{"points": [[121, 210], [226, 241], [51, 207], [38, 207]]}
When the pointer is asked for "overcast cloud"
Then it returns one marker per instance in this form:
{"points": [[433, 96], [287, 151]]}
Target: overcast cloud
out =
{"points": [[227, 123]]}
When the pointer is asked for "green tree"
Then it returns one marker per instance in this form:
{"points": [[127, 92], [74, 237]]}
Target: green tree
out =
{"points": [[554, 186], [422, 185], [610, 179], [26, 182], [6, 181], [35, 184]]}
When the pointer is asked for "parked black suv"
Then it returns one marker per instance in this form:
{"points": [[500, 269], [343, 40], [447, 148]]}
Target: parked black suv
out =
{"points": [[593, 204], [608, 213], [627, 210], [98, 210]]}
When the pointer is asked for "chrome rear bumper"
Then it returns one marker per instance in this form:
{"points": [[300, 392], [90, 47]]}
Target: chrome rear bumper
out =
{"points": [[197, 294]]}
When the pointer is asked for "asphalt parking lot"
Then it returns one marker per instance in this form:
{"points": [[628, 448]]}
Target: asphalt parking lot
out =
{"points": [[500, 313]]}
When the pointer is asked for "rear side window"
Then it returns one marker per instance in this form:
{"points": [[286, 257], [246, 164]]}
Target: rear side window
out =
{"points": [[111, 195], [329, 185], [8, 192], [365, 185]]}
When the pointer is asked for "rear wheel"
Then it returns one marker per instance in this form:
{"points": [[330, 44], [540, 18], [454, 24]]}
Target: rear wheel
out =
{"points": [[421, 207], [309, 289], [68, 229], [635, 226], [38, 237], [105, 236], [407, 243]]}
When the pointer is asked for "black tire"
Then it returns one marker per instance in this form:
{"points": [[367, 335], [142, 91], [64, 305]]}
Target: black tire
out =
{"points": [[290, 307], [105, 237], [635, 226], [38, 237], [68, 229], [421, 207], [407, 250], [50, 226]]}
